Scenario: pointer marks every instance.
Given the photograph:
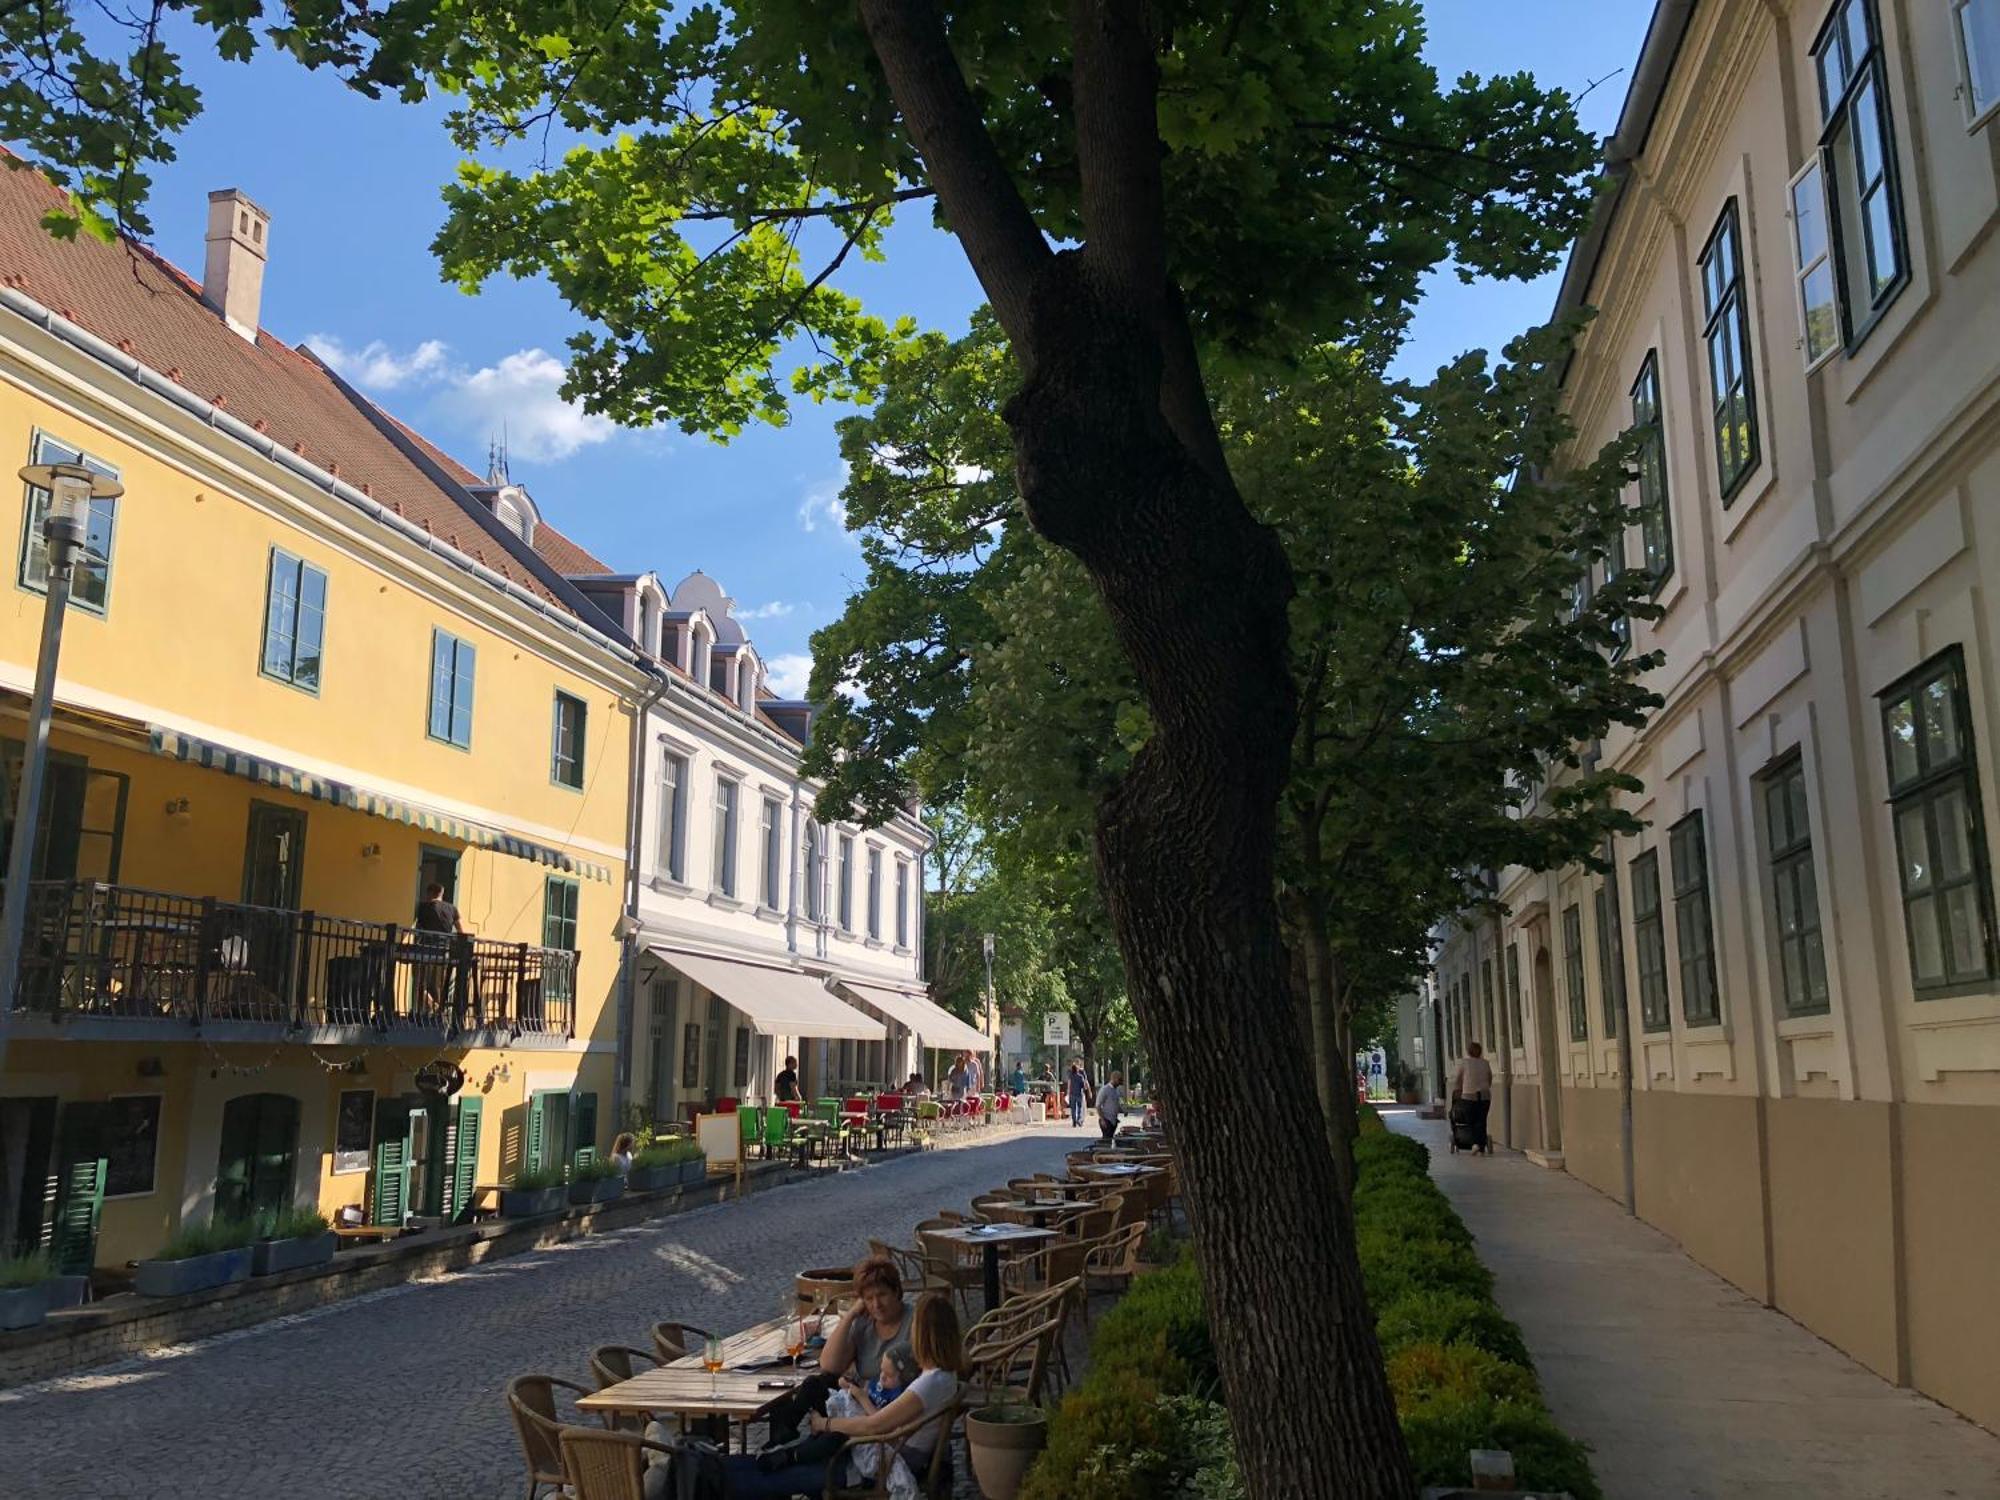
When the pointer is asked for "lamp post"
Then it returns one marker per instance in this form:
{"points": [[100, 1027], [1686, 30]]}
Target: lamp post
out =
{"points": [[71, 489]]}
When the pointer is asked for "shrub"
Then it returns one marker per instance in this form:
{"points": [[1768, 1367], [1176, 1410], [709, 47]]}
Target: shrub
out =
{"points": [[1408, 1207], [1388, 1151], [660, 1155], [1108, 1439], [21, 1271], [295, 1223], [533, 1179], [208, 1239], [1370, 1123], [1160, 1329], [596, 1169], [1421, 1375], [1450, 1318], [1443, 1434], [1393, 1267]]}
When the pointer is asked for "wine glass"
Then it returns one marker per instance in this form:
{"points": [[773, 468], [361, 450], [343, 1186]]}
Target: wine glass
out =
{"points": [[711, 1360]]}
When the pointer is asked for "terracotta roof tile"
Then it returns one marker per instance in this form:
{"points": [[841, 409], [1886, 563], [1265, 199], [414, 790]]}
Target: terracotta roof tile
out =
{"points": [[132, 298]]}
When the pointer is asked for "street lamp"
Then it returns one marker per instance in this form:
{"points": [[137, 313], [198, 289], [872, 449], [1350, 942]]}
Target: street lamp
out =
{"points": [[71, 488]]}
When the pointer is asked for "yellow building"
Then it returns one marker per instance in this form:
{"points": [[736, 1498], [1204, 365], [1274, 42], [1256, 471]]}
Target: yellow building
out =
{"points": [[311, 666]]}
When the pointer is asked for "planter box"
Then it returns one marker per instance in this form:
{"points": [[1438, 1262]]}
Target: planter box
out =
{"points": [[67, 1291], [1003, 1451], [601, 1191], [519, 1203], [268, 1257], [24, 1306], [198, 1273], [694, 1171], [654, 1179]]}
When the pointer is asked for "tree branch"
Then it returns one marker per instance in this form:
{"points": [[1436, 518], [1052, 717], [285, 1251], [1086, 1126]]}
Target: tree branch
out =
{"points": [[979, 197], [815, 211]]}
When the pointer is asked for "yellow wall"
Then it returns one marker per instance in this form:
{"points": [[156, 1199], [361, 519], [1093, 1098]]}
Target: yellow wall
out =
{"points": [[1695, 1160]]}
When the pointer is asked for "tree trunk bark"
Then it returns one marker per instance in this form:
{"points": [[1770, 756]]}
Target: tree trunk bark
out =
{"points": [[1197, 592], [1335, 1078]]}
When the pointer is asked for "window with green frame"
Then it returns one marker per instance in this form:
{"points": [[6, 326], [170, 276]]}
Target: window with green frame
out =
{"points": [[81, 832], [559, 895], [1694, 929], [566, 742], [1794, 891], [1579, 1014], [1649, 934], [1940, 831], [452, 663], [1857, 154], [1656, 533], [1514, 994], [1726, 333], [1610, 956], [90, 578], [294, 621]]}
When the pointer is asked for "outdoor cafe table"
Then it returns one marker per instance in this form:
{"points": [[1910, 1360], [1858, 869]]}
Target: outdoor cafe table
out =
{"points": [[1115, 1169], [685, 1388], [990, 1237]]}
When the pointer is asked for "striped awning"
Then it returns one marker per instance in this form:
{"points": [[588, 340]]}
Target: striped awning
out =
{"points": [[196, 751]]}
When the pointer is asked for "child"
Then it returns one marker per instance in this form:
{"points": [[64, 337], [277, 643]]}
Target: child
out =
{"points": [[899, 1368]]}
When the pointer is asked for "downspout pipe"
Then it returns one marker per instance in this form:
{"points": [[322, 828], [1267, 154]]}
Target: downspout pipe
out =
{"points": [[631, 925]]}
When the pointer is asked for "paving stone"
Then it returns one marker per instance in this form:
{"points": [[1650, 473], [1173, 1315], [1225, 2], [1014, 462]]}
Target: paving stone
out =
{"points": [[398, 1393]]}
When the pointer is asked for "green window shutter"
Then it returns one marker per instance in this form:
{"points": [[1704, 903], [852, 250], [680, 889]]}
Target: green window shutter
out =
{"points": [[532, 1155], [80, 1204], [584, 1133], [465, 1159], [392, 1162]]}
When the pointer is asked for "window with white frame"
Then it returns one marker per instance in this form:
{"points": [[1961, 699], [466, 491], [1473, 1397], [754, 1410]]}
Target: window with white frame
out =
{"points": [[774, 853], [847, 882], [1979, 53], [1857, 154], [673, 816], [902, 903], [1694, 922], [724, 874], [1579, 1011], [875, 893], [814, 872], [1794, 891], [1656, 536], [1649, 935], [1812, 266], [1610, 956]]}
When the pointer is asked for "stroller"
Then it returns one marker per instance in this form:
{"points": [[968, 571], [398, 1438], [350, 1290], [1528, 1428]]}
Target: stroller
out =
{"points": [[1463, 1136]]}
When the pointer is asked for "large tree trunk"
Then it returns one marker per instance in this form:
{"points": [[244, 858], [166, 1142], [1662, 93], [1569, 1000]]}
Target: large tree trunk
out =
{"points": [[1197, 592], [1330, 1063]]}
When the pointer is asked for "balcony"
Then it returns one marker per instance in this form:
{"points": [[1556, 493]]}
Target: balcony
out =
{"points": [[120, 954]]}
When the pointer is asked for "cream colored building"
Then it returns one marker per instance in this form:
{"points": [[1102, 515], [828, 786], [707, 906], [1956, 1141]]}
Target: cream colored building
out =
{"points": [[1799, 285]]}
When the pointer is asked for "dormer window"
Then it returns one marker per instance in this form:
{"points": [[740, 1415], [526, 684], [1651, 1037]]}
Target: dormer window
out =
{"points": [[515, 519], [718, 674], [670, 646], [704, 648], [746, 681]]}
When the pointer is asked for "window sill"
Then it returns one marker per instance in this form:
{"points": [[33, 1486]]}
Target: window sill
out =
{"points": [[872, 942], [769, 914], [666, 885], [901, 950], [724, 903], [1805, 1024]]}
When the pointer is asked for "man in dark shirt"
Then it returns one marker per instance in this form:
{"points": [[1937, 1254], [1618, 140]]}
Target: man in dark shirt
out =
{"points": [[438, 916], [786, 1085]]}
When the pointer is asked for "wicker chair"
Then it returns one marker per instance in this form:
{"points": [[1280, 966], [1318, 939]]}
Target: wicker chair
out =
{"points": [[1014, 1368], [934, 1483], [678, 1340], [612, 1364], [912, 1267], [607, 1465], [948, 1263], [1114, 1261], [1017, 1314], [531, 1401]]}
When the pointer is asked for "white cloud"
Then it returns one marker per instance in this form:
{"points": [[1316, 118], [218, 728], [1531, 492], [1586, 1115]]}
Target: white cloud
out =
{"points": [[822, 505], [377, 367], [777, 609], [519, 396], [789, 674]]}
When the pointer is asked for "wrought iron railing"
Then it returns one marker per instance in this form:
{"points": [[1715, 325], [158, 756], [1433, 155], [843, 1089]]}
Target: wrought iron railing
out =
{"points": [[112, 950]]}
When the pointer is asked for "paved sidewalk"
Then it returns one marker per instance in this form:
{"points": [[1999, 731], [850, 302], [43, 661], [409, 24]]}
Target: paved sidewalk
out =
{"points": [[1685, 1387], [396, 1395]]}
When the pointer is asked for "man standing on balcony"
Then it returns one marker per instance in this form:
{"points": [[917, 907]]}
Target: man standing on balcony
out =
{"points": [[444, 928]]}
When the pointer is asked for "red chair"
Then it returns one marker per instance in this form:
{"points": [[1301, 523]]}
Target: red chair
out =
{"points": [[854, 1115], [889, 1114], [725, 1106], [791, 1107]]}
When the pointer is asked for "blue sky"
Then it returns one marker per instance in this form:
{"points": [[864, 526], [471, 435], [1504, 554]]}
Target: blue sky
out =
{"points": [[352, 188]]}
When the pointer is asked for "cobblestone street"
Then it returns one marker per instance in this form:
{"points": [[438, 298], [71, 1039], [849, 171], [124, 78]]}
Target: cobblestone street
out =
{"points": [[397, 1395]]}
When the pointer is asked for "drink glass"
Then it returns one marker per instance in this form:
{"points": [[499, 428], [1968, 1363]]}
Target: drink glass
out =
{"points": [[711, 1360]]}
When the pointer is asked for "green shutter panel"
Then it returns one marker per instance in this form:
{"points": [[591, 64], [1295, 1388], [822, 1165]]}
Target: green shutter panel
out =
{"points": [[392, 1163], [465, 1161], [80, 1204], [584, 1129], [532, 1159]]}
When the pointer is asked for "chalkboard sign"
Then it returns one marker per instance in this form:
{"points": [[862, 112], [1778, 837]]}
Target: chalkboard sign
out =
{"points": [[131, 1143], [354, 1131]]}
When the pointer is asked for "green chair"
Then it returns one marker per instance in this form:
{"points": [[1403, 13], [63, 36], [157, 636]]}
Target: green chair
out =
{"points": [[777, 1131], [828, 1112], [751, 1124]]}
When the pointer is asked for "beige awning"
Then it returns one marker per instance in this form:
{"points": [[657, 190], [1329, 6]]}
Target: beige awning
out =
{"points": [[933, 1024], [777, 1002]]}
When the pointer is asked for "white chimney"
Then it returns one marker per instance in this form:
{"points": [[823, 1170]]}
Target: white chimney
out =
{"points": [[238, 239]]}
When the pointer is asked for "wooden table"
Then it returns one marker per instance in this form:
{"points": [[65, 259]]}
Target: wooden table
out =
{"points": [[685, 1388], [1116, 1169], [990, 1237], [1048, 1209]]}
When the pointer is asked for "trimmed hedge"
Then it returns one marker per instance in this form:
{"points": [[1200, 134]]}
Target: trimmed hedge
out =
{"points": [[1142, 1423]]}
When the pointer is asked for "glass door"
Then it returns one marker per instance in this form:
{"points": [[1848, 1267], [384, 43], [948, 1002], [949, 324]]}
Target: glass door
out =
{"points": [[256, 1165]]}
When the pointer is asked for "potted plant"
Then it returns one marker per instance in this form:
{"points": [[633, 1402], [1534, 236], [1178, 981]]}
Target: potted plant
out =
{"points": [[1004, 1441], [201, 1256], [595, 1181], [693, 1162], [654, 1169], [534, 1190], [24, 1290], [296, 1237]]}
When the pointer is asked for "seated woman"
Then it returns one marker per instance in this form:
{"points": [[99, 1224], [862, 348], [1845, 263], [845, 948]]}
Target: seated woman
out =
{"points": [[939, 1349]]}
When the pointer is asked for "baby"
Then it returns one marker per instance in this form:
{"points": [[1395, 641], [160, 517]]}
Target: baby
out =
{"points": [[899, 1368]]}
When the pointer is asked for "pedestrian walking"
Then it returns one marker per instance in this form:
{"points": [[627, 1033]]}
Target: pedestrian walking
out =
{"points": [[1110, 1104], [1472, 1086], [1075, 1088]]}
